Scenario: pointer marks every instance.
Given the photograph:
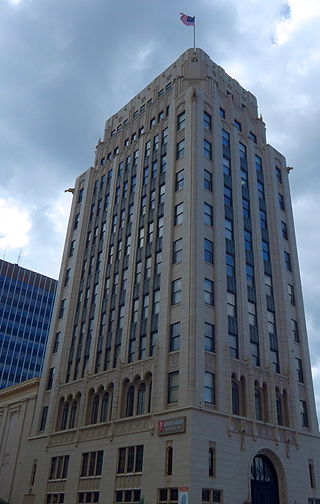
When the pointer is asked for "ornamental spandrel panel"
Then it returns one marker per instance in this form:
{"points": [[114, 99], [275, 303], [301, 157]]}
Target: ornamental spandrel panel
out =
{"points": [[127, 481], [91, 483]]}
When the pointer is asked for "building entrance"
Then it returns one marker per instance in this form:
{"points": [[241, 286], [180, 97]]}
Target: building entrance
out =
{"points": [[264, 481]]}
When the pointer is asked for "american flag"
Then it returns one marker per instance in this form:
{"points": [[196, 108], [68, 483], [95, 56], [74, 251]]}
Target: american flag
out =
{"points": [[187, 20]]}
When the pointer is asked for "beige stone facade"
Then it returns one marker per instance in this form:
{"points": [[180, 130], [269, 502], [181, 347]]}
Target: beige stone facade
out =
{"points": [[17, 404], [182, 368]]}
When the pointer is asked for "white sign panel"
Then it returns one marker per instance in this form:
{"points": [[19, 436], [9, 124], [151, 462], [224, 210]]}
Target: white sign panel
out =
{"points": [[183, 497]]}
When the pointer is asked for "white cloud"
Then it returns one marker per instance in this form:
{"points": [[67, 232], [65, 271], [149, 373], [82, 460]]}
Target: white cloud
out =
{"points": [[15, 224], [301, 14]]}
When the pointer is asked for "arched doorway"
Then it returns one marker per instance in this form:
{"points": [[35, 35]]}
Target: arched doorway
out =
{"points": [[264, 481]]}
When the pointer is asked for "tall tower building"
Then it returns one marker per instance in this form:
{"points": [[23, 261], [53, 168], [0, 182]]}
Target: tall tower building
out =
{"points": [[178, 368], [26, 303]]}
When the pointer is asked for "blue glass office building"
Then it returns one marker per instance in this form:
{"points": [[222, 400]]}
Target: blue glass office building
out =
{"points": [[26, 303]]}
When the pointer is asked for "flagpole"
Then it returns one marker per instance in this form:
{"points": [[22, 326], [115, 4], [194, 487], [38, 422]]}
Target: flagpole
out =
{"points": [[194, 36]]}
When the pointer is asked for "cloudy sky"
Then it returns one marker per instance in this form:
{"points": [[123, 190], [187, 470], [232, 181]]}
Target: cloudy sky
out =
{"points": [[67, 65]]}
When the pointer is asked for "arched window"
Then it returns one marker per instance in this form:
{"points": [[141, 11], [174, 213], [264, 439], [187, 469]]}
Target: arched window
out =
{"points": [[104, 407], [149, 395], [264, 481], [95, 409], [141, 398], [235, 398], [265, 403], [73, 413], [258, 403], [169, 457], [64, 418], [130, 401], [285, 409], [279, 408], [243, 396], [212, 464]]}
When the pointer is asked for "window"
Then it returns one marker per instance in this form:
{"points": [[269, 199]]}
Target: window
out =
{"points": [[163, 164], [160, 116], [56, 342], [207, 180], [295, 330], [208, 251], [253, 137], [130, 459], [227, 196], [299, 370], [209, 341], [247, 240], [246, 208], [258, 163], [250, 275], [174, 337], [62, 308], [72, 247], [88, 497], [260, 187], [265, 251], [235, 398], [156, 302], [291, 294], [237, 124], [80, 196], [156, 143], [231, 305], [304, 414], [181, 118], [258, 403], [141, 131], [287, 261], [281, 201], [228, 229], [59, 467], [173, 386], [180, 149], [209, 495], [284, 230], [147, 149], [209, 392], [169, 460], [76, 221], [208, 214], [312, 475], [176, 291], [230, 265], [132, 495], [212, 459], [92, 463], [177, 251], [226, 166], [278, 175], [164, 136], [208, 292], [178, 214], [179, 180], [50, 378], [168, 496], [207, 149], [207, 120], [222, 113], [44, 418], [54, 498], [152, 122]]}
